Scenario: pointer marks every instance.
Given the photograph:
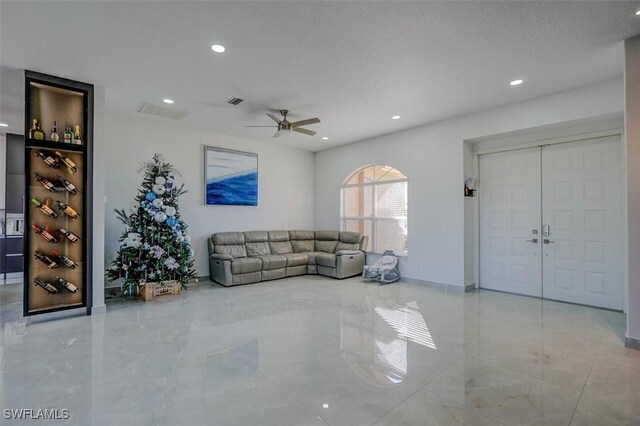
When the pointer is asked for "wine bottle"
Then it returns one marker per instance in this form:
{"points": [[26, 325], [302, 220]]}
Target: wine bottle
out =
{"points": [[44, 208], [49, 288], [71, 188], [67, 162], [64, 259], [45, 182], [70, 235], [67, 136], [44, 234], [51, 264], [54, 133], [66, 208], [35, 132], [49, 160], [77, 139], [66, 284]]}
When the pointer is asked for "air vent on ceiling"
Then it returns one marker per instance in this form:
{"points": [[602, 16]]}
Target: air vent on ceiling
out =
{"points": [[163, 112], [235, 101]]}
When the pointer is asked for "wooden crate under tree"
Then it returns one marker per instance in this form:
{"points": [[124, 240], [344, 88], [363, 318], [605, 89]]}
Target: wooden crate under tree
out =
{"points": [[156, 290]]}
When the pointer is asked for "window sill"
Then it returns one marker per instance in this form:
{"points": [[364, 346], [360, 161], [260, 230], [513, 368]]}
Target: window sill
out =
{"points": [[405, 257]]}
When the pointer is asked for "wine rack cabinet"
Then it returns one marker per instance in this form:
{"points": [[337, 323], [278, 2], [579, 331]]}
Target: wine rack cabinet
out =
{"points": [[58, 196]]}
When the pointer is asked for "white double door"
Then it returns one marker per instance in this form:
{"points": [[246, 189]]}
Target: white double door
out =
{"points": [[551, 222]]}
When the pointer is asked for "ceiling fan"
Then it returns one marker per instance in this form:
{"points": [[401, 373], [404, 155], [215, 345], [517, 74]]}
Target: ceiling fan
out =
{"points": [[285, 126]]}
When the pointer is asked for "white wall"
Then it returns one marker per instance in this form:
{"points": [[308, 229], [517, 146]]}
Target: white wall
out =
{"points": [[632, 135], [433, 158], [285, 181]]}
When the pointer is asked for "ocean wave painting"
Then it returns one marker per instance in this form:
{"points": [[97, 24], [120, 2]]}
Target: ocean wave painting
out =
{"points": [[231, 177]]}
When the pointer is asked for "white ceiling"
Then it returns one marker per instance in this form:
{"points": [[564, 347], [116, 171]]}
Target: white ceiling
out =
{"points": [[353, 64]]}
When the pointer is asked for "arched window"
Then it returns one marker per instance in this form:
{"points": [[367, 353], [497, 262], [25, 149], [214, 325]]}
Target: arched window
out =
{"points": [[374, 203]]}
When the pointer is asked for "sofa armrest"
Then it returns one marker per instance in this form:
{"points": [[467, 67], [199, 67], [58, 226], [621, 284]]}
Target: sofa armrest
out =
{"points": [[364, 242], [347, 252], [349, 263], [221, 256]]}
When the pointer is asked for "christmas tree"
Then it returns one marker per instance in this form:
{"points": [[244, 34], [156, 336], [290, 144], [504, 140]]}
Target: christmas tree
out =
{"points": [[154, 246]]}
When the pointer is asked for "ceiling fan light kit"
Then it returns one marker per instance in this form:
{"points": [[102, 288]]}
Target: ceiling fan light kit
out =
{"points": [[285, 127]]}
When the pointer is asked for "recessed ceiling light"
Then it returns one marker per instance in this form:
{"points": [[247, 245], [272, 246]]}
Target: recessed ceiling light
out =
{"points": [[167, 101], [395, 117], [638, 12], [218, 48], [325, 138], [325, 405], [4, 125], [516, 82]]}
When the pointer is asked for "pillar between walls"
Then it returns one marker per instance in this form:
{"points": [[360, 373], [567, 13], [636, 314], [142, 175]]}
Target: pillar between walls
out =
{"points": [[632, 145], [98, 199]]}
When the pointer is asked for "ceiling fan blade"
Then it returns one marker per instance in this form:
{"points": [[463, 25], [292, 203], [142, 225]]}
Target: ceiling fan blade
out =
{"points": [[260, 126], [304, 131], [305, 122], [277, 134], [274, 118]]}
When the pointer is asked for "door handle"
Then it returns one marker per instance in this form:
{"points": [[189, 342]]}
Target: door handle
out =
{"points": [[534, 240], [545, 230], [548, 241]]}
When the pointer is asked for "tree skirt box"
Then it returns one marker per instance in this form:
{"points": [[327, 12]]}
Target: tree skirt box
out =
{"points": [[155, 290]]}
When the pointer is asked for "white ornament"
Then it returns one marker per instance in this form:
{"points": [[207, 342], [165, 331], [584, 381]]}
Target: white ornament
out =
{"points": [[170, 211], [160, 217], [160, 180], [133, 240], [157, 203], [159, 189]]}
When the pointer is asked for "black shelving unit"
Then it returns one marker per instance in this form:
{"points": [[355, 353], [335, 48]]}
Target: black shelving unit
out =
{"points": [[69, 103]]}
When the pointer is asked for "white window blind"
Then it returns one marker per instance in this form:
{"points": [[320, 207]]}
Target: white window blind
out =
{"points": [[374, 203]]}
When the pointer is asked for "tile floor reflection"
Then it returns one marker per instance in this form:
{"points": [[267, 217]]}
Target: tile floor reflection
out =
{"points": [[314, 351]]}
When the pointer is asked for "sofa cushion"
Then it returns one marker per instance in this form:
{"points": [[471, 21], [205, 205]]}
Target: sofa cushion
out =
{"points": [[350, 237], [278, 235], [327, 236], [297, 259], [281, 247], [347, 246], [257, 249], [326, 246], [246, 265], [273, 261], [326, 259], [300, 246], [224, 238], [312, 255], [301, 235], [235, 251], [256, 236]]}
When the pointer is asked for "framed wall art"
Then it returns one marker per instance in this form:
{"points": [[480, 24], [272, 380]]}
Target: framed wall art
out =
{"points": [[230, 177]]}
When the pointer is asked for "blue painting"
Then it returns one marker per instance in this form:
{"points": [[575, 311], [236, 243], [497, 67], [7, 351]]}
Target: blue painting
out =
{"points": [[231, 177]]}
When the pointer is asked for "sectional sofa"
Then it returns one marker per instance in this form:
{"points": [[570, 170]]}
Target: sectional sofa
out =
{"points": [[249, 257]]}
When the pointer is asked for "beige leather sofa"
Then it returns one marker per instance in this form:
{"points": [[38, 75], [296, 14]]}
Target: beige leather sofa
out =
{"points": [[249, 257]]}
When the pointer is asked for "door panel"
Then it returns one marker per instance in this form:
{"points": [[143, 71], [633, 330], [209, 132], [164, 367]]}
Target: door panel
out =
{"points": [[509, 214], [582, 204]]}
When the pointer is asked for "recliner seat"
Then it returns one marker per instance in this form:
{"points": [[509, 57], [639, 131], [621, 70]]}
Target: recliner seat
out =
{"points": [[248, 257]]}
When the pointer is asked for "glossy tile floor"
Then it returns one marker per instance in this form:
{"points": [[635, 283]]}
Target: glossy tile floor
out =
{"points": [[315, 351]]}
